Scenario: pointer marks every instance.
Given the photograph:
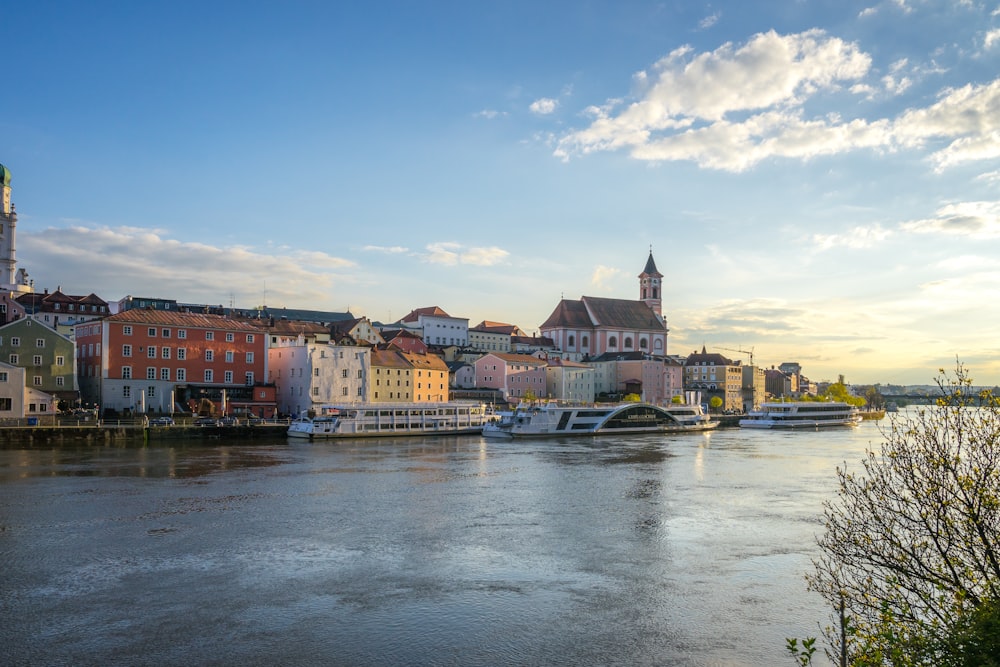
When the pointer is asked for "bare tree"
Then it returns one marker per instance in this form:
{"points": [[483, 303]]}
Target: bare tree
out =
{"points": [[912, 540]]}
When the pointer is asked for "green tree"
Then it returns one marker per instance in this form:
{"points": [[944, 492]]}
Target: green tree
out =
{"points": [[911, 547], [715, 402]]}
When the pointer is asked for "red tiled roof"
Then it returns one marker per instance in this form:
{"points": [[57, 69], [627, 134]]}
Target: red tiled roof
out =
{"points": [[198, 320], [593, 311]]}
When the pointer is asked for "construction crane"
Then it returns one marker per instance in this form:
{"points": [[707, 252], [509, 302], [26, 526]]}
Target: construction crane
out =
{"points": [[741, 351]]}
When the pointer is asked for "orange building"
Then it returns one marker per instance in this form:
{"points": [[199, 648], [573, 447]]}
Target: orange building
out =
{"points": [[164, 361]]}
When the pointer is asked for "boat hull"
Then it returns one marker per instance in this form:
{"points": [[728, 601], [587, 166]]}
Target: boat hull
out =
{"points": [[627, 419]]}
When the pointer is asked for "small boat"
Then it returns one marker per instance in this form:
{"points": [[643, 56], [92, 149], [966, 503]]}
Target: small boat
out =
{"points": [[533, 421], [802, 414], [379, 420]]}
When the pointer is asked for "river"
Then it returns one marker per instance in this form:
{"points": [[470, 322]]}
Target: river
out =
{"points": [[679, 550]]}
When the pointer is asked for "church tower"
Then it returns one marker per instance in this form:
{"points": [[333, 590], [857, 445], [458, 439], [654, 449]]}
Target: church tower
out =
{"points": [[8, 226], [650, 286]]}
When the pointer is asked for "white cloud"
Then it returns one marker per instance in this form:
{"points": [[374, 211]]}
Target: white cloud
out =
{"points": [[859, 237], [544, 106], [976, 219], [992, 37], [731, 108], [489, 114], [449, 253], [143, 261], [867, 11], [391, 250], [603, 275], [709, 21], [770, 74]]}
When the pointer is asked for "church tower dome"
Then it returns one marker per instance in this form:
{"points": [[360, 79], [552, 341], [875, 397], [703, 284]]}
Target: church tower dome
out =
{"points": [[650, 287]]}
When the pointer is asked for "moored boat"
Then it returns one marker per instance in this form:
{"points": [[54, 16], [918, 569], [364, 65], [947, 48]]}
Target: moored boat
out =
{"points": [[802, 414], [566, 420], [379, 420]]}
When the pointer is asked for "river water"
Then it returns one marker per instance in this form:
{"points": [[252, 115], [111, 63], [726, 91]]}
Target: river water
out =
{"points": [[679, 550]]}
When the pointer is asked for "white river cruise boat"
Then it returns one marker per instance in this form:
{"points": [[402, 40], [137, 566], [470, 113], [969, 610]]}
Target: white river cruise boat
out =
{"points": [[533, 421], [379, 420], [802, 414]]}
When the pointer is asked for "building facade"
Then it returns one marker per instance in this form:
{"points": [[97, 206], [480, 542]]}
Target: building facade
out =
{"points": [[515, 376], [161, 361], [47, 357], [310, 374]]}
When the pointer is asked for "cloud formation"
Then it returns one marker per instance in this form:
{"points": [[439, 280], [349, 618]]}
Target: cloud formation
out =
{"points": [[544, 106], [976, 219], [731, 108], [129, 260], [450, 253]]}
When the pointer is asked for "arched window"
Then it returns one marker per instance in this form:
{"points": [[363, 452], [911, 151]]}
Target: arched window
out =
{"points": [[658, 344], [572, 340], [642, 343], [628, 342], [584, 341], [656, 293], [613, 341]]}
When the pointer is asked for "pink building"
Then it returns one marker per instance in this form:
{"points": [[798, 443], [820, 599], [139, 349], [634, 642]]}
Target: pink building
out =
{"points": [[514, 375]]}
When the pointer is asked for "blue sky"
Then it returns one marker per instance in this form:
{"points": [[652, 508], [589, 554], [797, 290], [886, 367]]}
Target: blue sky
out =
{"points": [[819, 181]]}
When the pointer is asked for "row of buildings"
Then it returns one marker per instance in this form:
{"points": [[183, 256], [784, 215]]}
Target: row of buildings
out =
{"points": [[156, 355]]}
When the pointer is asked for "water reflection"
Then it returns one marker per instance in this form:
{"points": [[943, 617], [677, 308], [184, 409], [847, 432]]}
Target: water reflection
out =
{"points": [[451, 551]]}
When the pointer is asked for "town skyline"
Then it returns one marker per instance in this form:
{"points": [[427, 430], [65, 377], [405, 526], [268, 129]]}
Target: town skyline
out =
{"points": [[817, 182]]}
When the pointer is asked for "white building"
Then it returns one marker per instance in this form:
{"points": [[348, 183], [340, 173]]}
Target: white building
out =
{"points": [[311, 374], [437, 327], [569, 381]]}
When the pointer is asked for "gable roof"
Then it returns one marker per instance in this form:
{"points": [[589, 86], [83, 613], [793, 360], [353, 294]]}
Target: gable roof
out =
{"points": [[415, 314], [169, 317], [593, 311]]}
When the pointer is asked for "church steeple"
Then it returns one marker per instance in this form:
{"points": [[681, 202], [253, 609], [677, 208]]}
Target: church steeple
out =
{"points": [[650, 287], [8, 226]]}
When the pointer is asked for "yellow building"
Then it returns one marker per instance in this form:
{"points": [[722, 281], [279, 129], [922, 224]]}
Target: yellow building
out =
{"points": [[390, 377], [431, 377]]}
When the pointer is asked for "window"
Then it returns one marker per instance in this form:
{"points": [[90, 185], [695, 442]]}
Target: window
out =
{"points": [[60, 360], [209, 376], [182, 353], [249, 379], [209, 355], [249, 357], [628, 342], [126, 330], [359, 373], [343, 373], [151, 332], [151, 352], [165, 333], [228, 377], [181, 375], [613, 341], [165, 352], [39, 342], [126, 391], [229, 337], [36, 380], [182, 333], [126, 372], [13, 360], [229, 356], [126, 350], [36, 360], [643, 343], [315, 391], [151, 392], [6, 404], [151, 373], [209, 335], [164, 373], [584, 341], [344, 391], [572, 340], [3, 376], [15, 341], [249, 338]]}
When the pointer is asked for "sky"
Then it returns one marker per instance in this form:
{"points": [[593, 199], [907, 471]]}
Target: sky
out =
{"points": [[819, 181]]}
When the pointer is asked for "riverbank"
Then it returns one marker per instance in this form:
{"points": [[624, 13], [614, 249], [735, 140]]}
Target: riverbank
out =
{"points": [[128, 435]]}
